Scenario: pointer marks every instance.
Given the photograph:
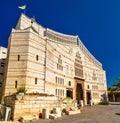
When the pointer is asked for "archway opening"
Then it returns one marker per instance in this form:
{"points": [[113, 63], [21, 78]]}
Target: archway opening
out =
{"points": [[79, 92], [69, 93], [88, 95]]}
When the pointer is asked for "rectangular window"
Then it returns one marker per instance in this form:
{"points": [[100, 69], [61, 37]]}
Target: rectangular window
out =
{"points": [[2, 65], [35, 80], [60, 92], [44, 33], [58, 61], [63, 81], [1, 73], [56, 79], [63, 92], [16, 84], [69, 83], [57, 66], [56, 92], [60, 80], [3, 52], [18, 57], [37, 57]]}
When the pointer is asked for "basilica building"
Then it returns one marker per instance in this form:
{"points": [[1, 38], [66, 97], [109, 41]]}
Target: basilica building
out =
{"points": [[45, 61]]}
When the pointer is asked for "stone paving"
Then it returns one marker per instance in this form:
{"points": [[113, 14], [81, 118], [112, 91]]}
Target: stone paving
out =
{"points": [[93, 114]]}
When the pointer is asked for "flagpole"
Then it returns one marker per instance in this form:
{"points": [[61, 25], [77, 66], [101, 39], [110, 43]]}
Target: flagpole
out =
{"points": [[25, 11]]}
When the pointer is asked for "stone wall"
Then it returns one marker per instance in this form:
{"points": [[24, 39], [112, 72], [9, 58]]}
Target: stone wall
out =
{"points": [[30, 105]]}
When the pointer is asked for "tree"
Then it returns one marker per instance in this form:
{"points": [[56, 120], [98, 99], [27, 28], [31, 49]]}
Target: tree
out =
{"points": [[112, 89], [115, 86]]}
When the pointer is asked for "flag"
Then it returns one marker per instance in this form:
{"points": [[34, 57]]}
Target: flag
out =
{"points": [[22, 7]]}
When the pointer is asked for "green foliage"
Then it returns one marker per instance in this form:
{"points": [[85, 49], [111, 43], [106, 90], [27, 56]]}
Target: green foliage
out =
{"points": [[112, 89], [67, 98], [21, 90], [115, 86], [40, 94], [104, 103]]}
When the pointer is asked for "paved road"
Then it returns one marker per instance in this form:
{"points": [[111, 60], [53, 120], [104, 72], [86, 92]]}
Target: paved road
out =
{"points": [[94, 114]]}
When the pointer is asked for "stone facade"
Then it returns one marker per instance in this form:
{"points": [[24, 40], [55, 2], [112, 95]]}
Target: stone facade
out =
{"points": [[3, 55], [45, 61]]}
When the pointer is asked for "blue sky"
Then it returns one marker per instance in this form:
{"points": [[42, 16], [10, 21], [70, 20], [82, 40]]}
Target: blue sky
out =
{"points": [[97, 22]]}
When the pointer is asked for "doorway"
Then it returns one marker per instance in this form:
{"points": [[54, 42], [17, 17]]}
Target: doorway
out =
{"points": [[70, 93], [88, 95], [79, 92]]}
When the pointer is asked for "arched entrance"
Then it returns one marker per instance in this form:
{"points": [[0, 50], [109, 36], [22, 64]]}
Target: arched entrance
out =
{"points": [[88, 97]]}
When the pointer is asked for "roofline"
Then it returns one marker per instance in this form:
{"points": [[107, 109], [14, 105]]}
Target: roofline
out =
{"points": [[62, 34], [76, 39]]}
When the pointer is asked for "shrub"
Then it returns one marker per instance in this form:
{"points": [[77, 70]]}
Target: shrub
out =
{"points": [[67, 98], [40, 94], [104, 103], [21, 90]]}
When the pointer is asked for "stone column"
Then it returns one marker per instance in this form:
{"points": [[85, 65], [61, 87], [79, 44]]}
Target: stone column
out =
{"points": [[84, 98], [45, 113], [81, 103], [7, 113], [74, 90], [91, 102]]}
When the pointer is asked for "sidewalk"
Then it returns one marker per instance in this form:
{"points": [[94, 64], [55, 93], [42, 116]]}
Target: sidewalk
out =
{"points": [[114, 103]]}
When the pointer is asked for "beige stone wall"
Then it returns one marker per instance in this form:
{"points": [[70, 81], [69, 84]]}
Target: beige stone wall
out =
{"points": [[95, 78], [54, 53], [30, 105], [22, 71]]}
